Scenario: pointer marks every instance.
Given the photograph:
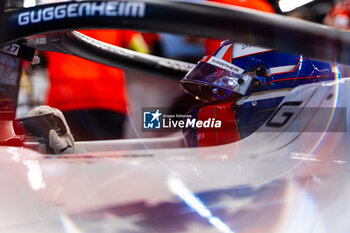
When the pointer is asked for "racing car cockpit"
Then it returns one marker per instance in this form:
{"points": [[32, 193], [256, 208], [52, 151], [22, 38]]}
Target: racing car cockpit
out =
{"points": [[239, 85]]}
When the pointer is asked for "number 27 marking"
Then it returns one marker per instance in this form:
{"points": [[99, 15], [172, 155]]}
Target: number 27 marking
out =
{"points": [[11, 49]]}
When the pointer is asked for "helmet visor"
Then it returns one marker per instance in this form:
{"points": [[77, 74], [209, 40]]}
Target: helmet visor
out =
{"points": [[215, 79]]}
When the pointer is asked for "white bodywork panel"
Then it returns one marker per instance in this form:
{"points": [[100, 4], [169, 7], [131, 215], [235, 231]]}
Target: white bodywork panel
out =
{"points": [[272, 181]]}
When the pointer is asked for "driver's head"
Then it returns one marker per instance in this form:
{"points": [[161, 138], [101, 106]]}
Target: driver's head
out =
{"points": [[244, 84]]}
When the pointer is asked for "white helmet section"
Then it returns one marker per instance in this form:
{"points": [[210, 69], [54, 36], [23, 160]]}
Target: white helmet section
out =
{"points": [[239, 50]]}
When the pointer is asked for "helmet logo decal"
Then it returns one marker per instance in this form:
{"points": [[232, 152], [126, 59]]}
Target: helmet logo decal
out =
{"points": [[245, 46], [225, 65]]}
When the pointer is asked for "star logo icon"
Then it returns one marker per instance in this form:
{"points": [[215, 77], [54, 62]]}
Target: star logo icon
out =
{"points": [[151, 119], [156, 115]]}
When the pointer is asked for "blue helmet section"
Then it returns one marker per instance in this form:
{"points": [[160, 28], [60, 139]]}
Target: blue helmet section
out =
{"points": [[285, 70], [294, 71]]}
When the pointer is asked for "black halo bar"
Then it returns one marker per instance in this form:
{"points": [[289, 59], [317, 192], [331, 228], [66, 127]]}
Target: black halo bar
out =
{"points": [[203, 20], [78, 44], [86, 47]]}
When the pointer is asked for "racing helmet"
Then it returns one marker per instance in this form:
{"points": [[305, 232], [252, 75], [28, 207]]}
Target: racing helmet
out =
{"points": [[241, 86]]}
